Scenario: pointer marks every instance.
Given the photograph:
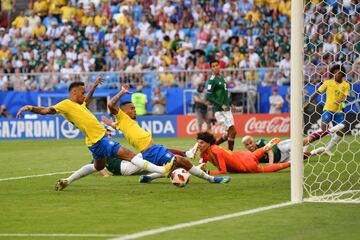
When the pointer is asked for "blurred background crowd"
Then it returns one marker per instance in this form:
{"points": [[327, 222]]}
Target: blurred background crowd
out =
{"points": [[170, 43]]}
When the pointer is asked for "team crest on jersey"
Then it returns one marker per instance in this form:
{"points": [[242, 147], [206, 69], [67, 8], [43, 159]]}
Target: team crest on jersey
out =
{"points": [[209, 86]]}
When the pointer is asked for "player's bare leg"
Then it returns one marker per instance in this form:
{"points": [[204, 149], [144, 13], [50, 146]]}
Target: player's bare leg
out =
{"points": [[221, 139], [231, 137], [321, 133], [315, 136]]}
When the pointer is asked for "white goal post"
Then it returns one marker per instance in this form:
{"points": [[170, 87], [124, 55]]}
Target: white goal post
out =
{"points": [[324, 36], [297, 63]]}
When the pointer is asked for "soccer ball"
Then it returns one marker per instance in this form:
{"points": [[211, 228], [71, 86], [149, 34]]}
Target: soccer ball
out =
{"points": [[180, 177]]}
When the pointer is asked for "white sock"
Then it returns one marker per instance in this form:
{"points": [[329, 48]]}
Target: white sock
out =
{"points": [[128, 168], [146, 165], [82, 172], [155, 175], [335, 139], [201, 174]]}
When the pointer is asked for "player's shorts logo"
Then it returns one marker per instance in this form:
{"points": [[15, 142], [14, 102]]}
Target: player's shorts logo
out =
{"points": [[69, 130]]}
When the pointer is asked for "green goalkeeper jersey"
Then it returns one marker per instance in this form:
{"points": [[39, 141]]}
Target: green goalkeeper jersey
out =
{"points": [[113, 165], [265, 159], [217, 93]]}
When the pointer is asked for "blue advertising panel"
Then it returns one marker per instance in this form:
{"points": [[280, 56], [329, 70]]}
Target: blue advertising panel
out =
{"points": [[56, 127], [40, 128]]}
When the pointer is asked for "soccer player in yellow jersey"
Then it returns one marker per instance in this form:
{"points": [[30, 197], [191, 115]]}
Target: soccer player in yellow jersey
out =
{"points": [[75, 110], [140, 139], [337, 91]]}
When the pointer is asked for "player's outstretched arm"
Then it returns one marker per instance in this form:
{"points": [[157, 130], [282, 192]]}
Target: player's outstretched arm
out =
{"points": [[38, 110], [112, 103], [99, 80], [271, 157]]}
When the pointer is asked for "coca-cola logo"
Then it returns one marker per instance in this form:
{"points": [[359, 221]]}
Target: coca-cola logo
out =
{"points": [[192, 128], [274, 125]]}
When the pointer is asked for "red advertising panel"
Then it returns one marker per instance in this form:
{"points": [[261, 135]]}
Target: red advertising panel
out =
{"points": [[246, 124]]}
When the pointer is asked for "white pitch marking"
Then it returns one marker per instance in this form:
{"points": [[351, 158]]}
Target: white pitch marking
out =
{"points": [[34, 176], [203, 221], [94, 235]]}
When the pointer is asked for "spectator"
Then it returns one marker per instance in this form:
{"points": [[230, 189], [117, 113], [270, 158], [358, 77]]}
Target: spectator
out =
{"points": [[40, 8], [166, 78], [269, 79], [201, 107], [253, 57], [4, 112], [53, 32], [158, 102], [131, 72], [284, 69], [139, 100], [47, 21], [131, 43], [276, 101]]}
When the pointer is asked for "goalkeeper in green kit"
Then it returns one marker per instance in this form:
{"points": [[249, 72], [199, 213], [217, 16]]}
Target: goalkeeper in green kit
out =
{"points": [[217, 95]]}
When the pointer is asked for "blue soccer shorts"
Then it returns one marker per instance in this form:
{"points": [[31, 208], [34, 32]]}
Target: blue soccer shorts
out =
{"points": [[334, 117], [105, 148], [158, 155]]}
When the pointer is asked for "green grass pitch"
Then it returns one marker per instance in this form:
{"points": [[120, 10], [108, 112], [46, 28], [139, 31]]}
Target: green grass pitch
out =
{"points": [[121, 205]]}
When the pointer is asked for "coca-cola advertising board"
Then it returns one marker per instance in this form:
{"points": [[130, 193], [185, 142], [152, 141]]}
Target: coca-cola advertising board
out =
{"points": [[245, 124]]}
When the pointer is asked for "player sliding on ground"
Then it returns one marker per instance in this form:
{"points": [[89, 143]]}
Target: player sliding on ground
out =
{"points": [[119, 167], [140, 139], [229, 161], [337, 91], [281, 151], [235, 161], [75, 110]]}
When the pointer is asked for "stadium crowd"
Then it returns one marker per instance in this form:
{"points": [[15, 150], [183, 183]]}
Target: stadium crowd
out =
{"points": [[53, 40]]}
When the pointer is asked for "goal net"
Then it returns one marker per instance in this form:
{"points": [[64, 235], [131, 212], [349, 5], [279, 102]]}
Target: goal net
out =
{"points": [[331, 36]]}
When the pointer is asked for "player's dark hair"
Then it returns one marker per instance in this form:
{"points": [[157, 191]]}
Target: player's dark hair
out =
{"points": [[213, 61], [122, 104], [206, 137], [338, 67], [76, 84]]}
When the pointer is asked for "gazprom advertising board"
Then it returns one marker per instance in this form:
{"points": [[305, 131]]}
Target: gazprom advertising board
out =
{"points": [[56, 127]]}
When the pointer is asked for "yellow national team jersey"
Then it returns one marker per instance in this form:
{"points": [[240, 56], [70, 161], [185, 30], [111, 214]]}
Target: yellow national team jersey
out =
{"points": [[335, 94], [83, 119], [133, 133]]}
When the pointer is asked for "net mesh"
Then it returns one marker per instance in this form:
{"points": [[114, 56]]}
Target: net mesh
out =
{"points": [[331, 36]]}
